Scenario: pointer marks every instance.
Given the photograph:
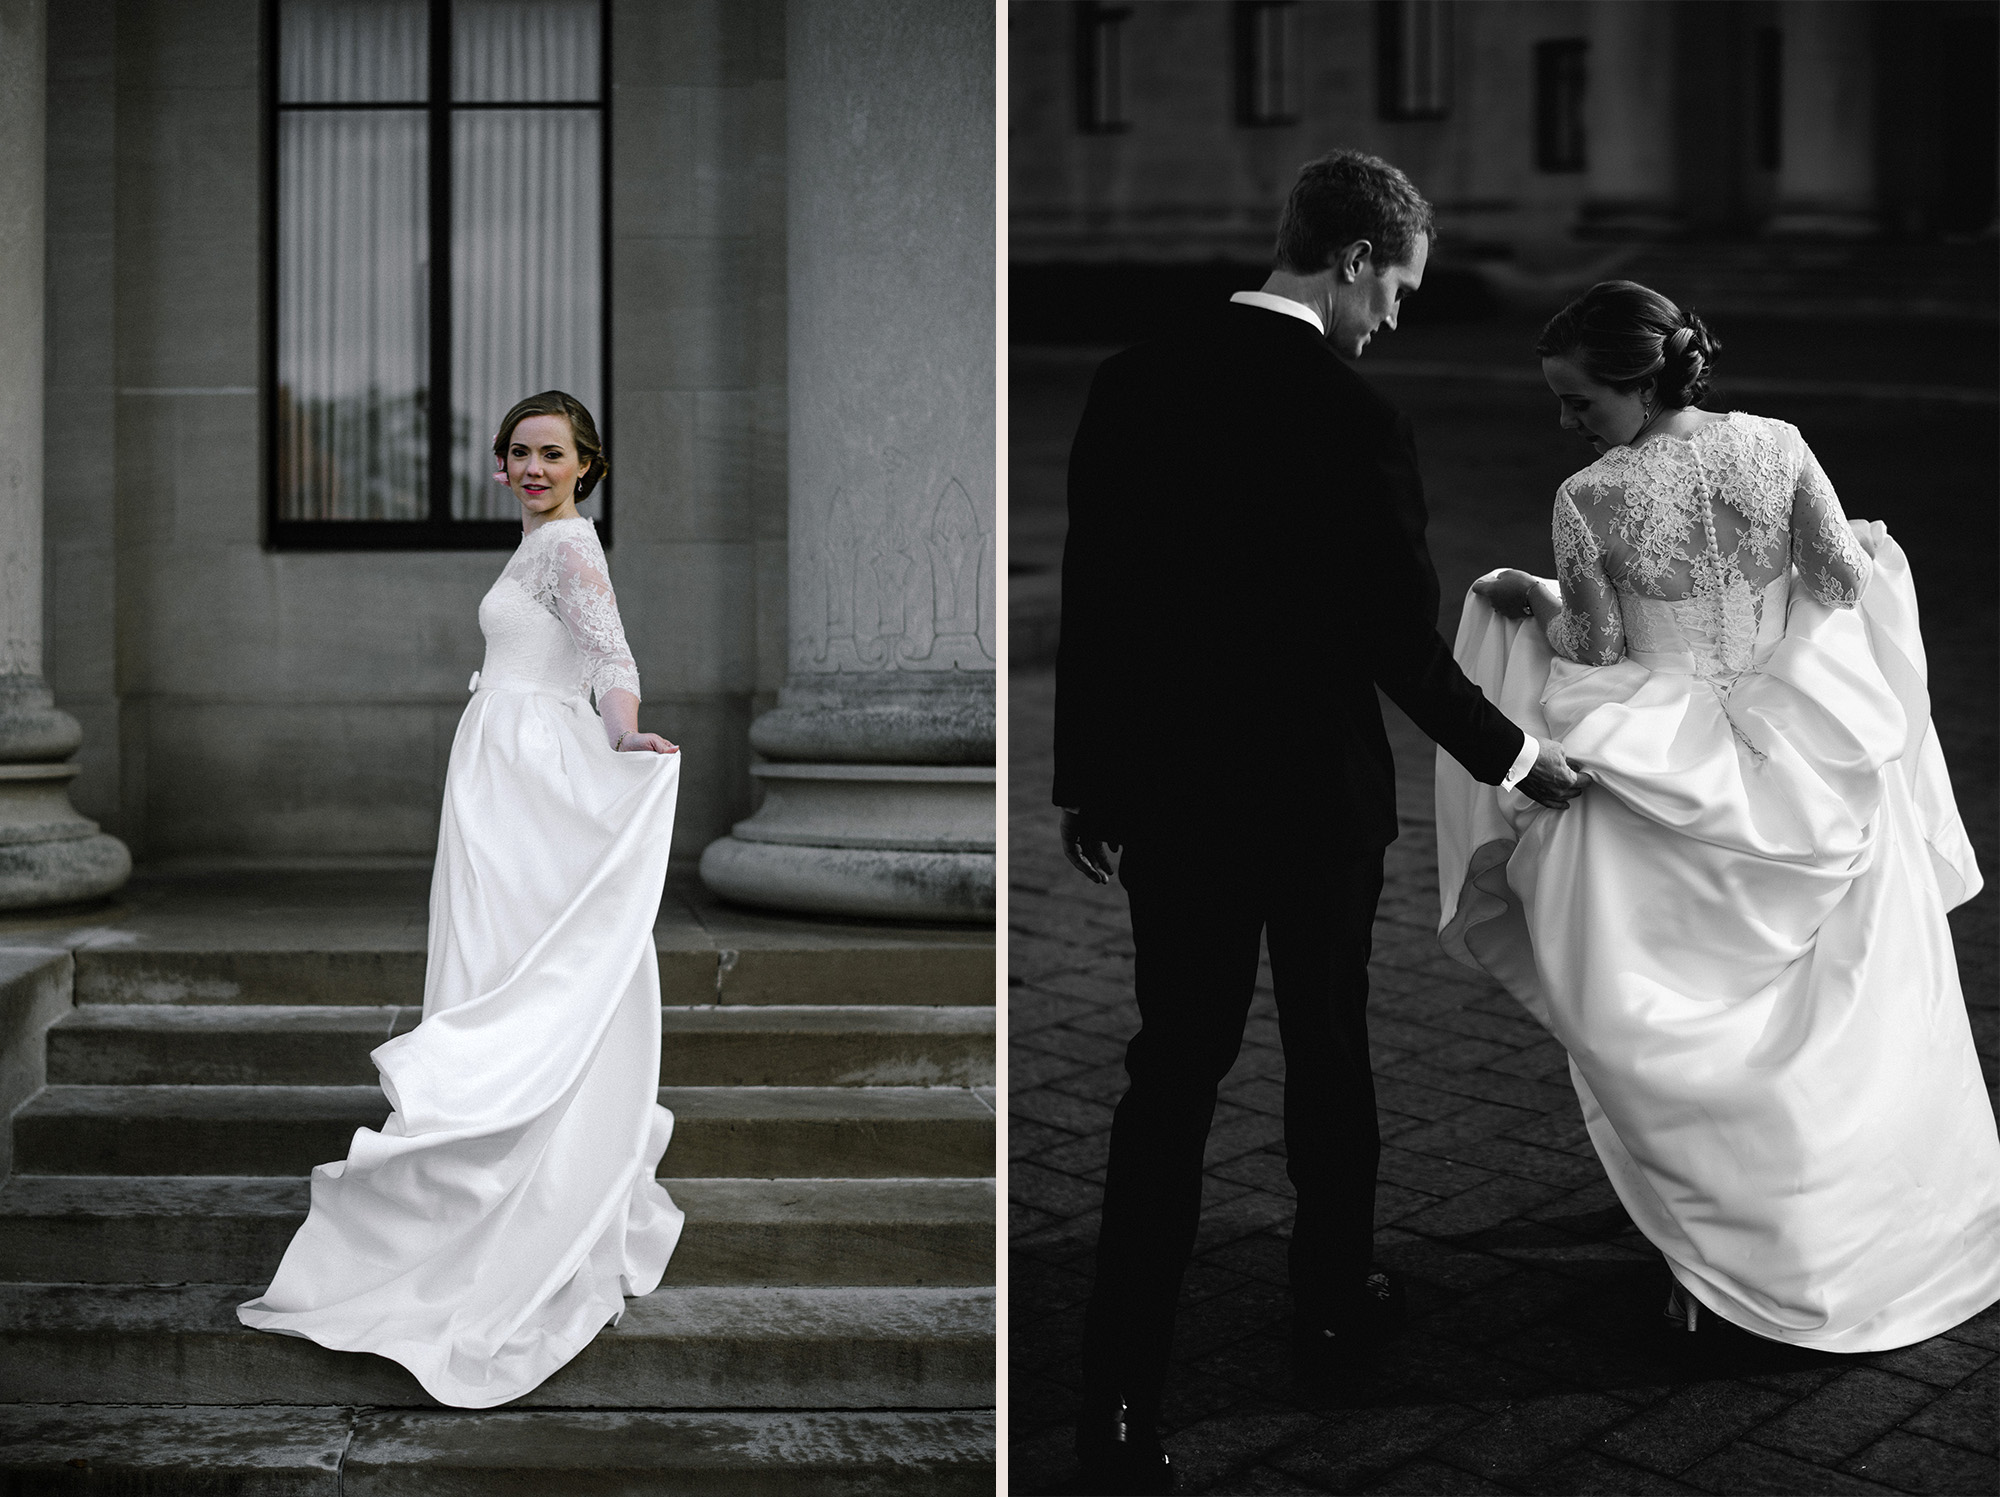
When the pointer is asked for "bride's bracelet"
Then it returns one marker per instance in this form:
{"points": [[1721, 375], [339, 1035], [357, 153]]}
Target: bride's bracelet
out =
{"points": [[618, 744]]}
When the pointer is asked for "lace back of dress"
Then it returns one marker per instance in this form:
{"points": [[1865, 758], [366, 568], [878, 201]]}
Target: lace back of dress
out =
{"points": [[1707, 521]]}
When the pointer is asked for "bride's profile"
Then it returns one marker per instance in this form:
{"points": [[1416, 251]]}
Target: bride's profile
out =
{"points": [[497, 1220], [1738, 932]]}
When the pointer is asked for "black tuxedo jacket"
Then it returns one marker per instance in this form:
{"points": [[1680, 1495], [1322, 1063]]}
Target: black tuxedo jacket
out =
{"points": [[1245, 565]]}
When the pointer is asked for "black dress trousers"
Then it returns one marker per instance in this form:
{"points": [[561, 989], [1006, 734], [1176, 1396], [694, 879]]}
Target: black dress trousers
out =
{"points": [[1197, 916]]}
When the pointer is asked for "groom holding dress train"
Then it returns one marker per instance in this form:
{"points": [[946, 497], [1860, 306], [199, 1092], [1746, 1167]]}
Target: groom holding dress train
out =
{"points": [[1245, 566]]}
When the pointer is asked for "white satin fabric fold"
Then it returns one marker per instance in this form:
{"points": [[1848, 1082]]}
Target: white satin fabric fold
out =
{"points": [[1739, 935], [499, 1218]]}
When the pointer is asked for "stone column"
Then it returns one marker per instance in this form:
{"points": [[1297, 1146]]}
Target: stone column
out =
{"points": [[48, 853], [1629, 122], [879, 778], [1826, 166]]}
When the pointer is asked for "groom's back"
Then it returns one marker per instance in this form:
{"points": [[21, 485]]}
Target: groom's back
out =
{"points": [[1213, 483]]}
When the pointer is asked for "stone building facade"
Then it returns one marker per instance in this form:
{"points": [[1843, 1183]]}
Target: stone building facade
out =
{"points": [[1169, 131], [240, 699]]}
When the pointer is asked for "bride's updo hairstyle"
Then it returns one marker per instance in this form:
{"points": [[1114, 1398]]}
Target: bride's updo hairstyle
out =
{"points": [[560, 403], [1629, 337]]}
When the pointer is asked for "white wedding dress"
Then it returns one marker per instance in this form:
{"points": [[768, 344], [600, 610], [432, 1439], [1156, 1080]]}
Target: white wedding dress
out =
{"points": [[1739, 932], [497, 1221]]}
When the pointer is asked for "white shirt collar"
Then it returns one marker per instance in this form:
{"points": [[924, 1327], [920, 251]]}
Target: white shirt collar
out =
{"points": [[1283, 304]]}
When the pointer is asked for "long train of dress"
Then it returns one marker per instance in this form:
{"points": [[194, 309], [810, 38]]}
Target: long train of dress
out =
{"points": [[503, 1212], [1739, 935]]}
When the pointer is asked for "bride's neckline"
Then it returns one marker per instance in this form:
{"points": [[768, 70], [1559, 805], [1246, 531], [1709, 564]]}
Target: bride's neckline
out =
{"points": [[1661, 438], [527, 534]]}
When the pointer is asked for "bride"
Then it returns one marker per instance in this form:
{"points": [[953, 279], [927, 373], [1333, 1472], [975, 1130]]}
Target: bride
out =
{"points": [[497, 1220], [1739, 931]]}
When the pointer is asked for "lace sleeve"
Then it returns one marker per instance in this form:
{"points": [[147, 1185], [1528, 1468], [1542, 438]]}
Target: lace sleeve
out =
{"points": [[1831, 563], [1589, 630], [580, 592]]}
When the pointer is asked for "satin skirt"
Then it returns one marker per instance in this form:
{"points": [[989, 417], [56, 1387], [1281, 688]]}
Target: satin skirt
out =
{"points": [[499, 1218], [1739, 936]]}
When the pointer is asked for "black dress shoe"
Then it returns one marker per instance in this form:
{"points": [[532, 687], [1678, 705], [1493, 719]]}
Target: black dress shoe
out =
{"points": [[1329, 1338], [1120, 1451]]}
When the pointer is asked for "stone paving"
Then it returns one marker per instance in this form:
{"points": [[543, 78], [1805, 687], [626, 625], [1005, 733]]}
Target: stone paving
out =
{"points": [[1536, 1359]]}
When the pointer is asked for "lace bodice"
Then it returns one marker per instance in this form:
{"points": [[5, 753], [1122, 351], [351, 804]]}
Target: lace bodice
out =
{"points": [[1675, 546], [550, 618]]}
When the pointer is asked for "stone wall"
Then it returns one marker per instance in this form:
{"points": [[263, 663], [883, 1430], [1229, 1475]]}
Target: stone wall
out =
{"points": [[1186, 182], [237, 700]]}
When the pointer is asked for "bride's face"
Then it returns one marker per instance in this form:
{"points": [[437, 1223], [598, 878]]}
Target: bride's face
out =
{"points": [[543, 465], [1602, 416]]}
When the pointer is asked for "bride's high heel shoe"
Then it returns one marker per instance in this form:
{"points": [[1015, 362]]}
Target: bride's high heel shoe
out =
{"points": [[1682, 1307]]}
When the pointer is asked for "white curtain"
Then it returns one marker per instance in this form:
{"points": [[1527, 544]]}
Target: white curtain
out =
{"points": [[353, 315], [524, 51], [354, 52], [527, 283]]}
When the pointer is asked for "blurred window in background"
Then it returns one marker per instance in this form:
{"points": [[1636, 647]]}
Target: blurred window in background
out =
{"points": [[1770, 98], [1560, 79], [1969, 165], [1100, 68], [1266, 63], [1413, 46], [438, 227]]}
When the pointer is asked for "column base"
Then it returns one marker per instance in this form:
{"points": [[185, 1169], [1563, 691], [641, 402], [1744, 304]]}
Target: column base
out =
{"points": [[1613, 218], [36, 874], [1815, 221], [49, 854], [873, 883], [882, 841]]}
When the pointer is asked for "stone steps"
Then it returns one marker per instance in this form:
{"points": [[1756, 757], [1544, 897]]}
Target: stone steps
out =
{"points": [[152, 1229], [337, 1452], [328, 1045], [227, 966], [765, 1132], [825, 1326], [687, 1348]]}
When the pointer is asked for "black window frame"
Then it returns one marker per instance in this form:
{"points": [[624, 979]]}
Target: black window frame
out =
{"points": [[1562, 142], [1100, 37], [1768, 132], [1252, 109], [438, 531], [1391, 102]]}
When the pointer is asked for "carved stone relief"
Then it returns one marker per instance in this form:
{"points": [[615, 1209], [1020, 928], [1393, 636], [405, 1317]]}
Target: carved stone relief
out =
{"points": [[891, 586]]}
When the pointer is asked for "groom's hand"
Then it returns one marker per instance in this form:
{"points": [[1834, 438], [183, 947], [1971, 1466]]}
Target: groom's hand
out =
{"points": [[1087, 849], [1552, 782]]}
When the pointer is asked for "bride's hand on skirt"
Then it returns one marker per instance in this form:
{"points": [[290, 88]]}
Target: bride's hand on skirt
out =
{"points": [[1509, 592], [644, 743]]}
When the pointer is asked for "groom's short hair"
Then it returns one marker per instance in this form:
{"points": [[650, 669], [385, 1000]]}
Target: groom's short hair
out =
{"points": [[1345, 196]]}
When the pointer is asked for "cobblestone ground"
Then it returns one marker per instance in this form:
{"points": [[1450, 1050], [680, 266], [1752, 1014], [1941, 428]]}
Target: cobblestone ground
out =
{"points": [[1536, 1359]]}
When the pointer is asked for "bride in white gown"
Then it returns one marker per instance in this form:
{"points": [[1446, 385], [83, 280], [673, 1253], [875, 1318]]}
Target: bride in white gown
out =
{"points": [[497, 1221], [1738, 932]]}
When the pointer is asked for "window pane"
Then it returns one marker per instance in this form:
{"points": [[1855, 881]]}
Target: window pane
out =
{"points": [[353, 315], [353, 51], [524, 51], [527, 281]]}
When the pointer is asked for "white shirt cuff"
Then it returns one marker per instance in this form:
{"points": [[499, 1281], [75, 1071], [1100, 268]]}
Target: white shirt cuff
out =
{"points": [[1524, 761]]}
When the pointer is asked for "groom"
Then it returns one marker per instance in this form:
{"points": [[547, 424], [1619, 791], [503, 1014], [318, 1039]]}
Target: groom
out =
{"points": [[1245, 565]]}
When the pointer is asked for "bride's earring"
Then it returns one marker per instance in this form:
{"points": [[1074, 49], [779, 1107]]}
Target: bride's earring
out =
{"points": [[501, 476]]}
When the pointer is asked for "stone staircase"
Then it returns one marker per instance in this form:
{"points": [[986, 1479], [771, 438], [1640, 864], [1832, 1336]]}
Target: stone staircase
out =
{"points": [[826, 1324]]}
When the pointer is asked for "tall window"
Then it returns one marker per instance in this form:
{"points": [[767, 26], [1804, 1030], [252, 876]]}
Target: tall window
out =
{"points": [[1413, 46], [437, 220], [1559, 83], [1770, 98], [1266, 63], [1100, 68]]}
